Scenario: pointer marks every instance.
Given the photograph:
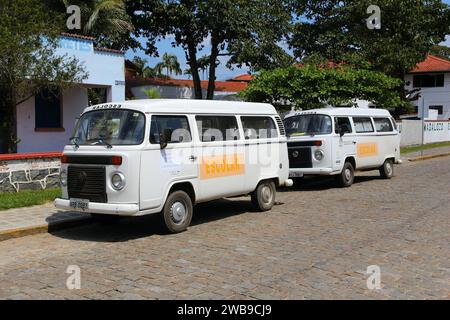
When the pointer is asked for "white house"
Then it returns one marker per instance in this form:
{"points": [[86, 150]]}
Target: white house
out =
{"points": [[45, 122], [432, 77]]}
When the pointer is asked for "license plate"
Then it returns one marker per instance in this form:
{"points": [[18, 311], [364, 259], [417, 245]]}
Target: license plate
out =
{"points": [[79, 204], [295, 174]]}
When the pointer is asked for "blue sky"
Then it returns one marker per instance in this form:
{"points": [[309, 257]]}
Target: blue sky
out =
{"points": [[223, 73]]}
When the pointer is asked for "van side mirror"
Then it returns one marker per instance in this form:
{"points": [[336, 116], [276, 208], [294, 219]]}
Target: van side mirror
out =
{"points": [[341, 131]]}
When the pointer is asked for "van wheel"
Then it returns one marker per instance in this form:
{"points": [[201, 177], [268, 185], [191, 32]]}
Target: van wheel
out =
{"points": [[387, 170], [177, 212], [105, 218], [263, 198], [347, 176]]}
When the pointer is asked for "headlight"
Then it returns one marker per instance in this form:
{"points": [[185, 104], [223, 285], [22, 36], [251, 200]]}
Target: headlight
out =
{"points": [[63, 178], [318, 155], [118, 181]]}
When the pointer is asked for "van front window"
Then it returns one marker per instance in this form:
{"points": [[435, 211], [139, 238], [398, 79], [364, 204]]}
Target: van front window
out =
{"points": [[308, 124], [110, 127]]}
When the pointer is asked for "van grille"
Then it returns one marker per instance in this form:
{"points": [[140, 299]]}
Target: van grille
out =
{"points": [[281, 126], [299, 157], [87, 183]]}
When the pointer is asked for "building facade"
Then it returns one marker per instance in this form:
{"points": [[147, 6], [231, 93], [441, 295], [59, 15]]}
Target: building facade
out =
{"points": [[46, 121]]}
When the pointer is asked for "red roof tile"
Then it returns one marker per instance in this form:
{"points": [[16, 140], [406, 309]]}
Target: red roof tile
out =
{"points": [[109, 50], [432, 64], [77, 36], [24, 156], [243, 77], [225, 86]]}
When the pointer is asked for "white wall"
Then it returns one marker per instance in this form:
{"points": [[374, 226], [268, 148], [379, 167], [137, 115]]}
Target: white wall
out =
{"points": [[177, 92], [74, 101], [434, 131]]}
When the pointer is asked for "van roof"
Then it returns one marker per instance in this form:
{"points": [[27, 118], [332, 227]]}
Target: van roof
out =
{"points": [[190, 106], [369, 112]]}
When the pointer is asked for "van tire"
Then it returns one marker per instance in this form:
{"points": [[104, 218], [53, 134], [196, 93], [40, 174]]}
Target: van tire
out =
{"points": [[263, 198], [387, 170], [177, 212], [346, 178]]}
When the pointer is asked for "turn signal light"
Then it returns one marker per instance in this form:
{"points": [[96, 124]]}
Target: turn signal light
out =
{"points": [[318, 143], [64, 159], [116, 160]]}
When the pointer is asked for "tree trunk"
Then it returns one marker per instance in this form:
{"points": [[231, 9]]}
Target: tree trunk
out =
{"points": [[8, 141], [212, 69], [191, 57]]}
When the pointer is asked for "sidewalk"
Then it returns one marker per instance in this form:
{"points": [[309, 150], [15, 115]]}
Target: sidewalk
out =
{"points": [[20, 222], [40, 219], [427, 152]]}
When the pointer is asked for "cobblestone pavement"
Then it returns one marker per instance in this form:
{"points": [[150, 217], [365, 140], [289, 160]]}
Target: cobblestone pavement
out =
{"points": [[317, 244]]}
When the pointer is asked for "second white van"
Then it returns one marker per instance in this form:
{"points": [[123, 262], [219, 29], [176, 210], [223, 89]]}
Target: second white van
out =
{"points": [[338, 141]]}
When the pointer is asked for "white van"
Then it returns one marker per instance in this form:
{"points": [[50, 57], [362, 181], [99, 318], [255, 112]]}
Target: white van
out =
{"points": [[338, 141], [148, 156]]}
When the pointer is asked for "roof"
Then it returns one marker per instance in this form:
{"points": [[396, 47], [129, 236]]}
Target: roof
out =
{"points": [[109, 50], [369, 112], [432, 64], [187, 106], [243, 77], [225, 86]]}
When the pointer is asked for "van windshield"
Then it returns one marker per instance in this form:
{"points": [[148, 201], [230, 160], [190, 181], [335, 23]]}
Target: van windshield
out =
{"points": [[308, 124], [110, 127]]}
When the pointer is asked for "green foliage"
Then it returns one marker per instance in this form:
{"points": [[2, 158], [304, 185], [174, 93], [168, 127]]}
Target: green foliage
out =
{"points": [[143, 70], [337, 30], [10, 200], [152, 93], [312, 86], [29, 37], [441, 51], [246, 31], [170, 64]]}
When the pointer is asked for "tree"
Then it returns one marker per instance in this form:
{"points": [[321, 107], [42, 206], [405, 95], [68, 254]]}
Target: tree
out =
{"points": [[142, 69], [338, 31], [152, 93], [170, 63], [28, 39], [105, 20], [441, 51], [312, 86], [246, 31]]}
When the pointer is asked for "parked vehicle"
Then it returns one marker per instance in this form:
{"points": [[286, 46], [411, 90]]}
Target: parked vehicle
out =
{"points": [[149, 156], [338, 141]]}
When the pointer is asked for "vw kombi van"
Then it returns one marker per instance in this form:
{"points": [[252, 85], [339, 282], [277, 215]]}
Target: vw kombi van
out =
{"points": [[338, 141], [163, 156]]}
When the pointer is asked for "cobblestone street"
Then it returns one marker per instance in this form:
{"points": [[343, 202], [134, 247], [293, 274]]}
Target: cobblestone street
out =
{"points": [[316, 244]]}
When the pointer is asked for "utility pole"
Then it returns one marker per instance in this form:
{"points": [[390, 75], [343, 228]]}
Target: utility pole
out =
{"points": [[423, 125]]}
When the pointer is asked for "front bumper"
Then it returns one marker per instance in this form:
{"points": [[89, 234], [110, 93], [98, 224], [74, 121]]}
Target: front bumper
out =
{"points": [[119, 209], [312, 171]]}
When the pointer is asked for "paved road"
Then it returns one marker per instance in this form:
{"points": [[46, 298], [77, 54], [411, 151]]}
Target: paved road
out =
{"points": [[317, 244]]}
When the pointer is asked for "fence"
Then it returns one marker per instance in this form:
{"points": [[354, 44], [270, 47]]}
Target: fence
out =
{"points": [[433, 131]]}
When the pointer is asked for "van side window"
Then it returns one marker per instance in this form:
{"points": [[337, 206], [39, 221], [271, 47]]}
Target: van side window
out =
{"points": [[362, 125], [342, 124], [217, 128], [259, 127], [383, 124], [175, 129]]}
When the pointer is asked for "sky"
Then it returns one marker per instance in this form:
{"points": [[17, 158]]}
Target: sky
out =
{"points": [[222, 72]]}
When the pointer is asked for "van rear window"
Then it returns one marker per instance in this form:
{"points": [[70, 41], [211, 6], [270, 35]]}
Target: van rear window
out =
{"points": [[259, 127], [383, 125]]}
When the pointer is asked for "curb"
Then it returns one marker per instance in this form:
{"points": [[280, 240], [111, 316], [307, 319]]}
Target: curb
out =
{"points": [[429, 156], [43, 228]]}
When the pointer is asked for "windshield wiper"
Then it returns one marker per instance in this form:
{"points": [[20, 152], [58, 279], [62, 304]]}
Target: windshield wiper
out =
{"points": [[103, 142]]}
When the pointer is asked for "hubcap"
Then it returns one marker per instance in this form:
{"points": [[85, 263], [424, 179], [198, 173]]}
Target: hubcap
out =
{"points": [[178, 212], [388, 168], [266, 194], [348, 174]]}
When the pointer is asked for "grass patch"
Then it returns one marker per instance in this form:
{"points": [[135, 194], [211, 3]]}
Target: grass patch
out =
{"points": [[424, 147], [10, 200]]}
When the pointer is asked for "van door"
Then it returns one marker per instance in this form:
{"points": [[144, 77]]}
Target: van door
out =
{"points": [[163, 166], [367, 143], [346, 146], [221, 164]]}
